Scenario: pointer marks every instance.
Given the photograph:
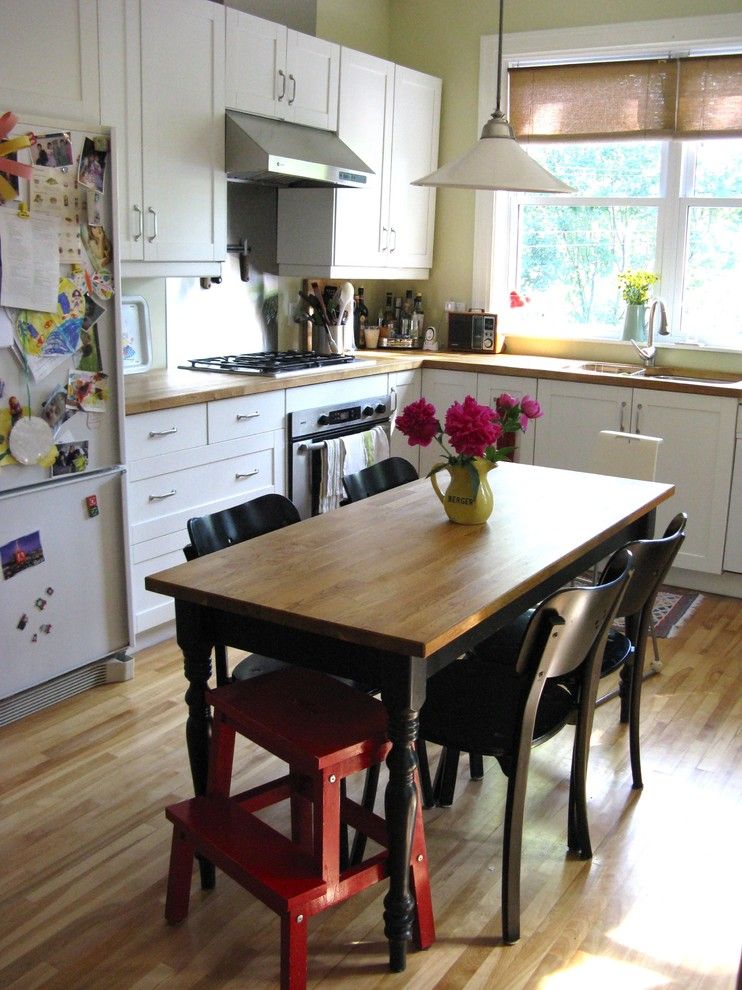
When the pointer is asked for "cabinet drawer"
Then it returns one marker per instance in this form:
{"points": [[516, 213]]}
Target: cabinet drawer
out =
{"points": [[155, 433], [150, 609], [230, 419], [165, 503]]}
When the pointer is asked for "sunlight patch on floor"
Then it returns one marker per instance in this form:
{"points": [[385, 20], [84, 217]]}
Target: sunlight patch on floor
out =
{"points": [[587, 972]]}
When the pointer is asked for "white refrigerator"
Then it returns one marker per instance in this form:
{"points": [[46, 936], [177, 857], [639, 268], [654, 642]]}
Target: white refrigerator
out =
{"points": [[65, 618]]}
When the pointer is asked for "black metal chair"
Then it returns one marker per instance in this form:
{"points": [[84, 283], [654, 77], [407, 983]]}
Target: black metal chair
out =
{"points": [[624, 651], [234, 525], [380, 477], [502, 709]]}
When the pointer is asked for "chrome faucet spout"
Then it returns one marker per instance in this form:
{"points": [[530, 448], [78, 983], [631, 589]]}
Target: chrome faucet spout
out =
{"points": [[648, 354]]}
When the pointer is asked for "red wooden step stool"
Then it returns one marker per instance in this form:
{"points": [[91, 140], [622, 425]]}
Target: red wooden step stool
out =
{"points": [[325, 731]]}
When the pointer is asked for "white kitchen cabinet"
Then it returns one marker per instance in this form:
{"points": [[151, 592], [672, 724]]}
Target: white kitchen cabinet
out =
{"points": [[50, 60], [404, 387], [162, 86], [441, 387], [189, 461], [573, 415], [489, 387], [276, 72], [696, 455], [389, 116]]}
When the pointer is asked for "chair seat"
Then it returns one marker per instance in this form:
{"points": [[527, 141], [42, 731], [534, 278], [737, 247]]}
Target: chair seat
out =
{"points": [[475, 705], [255, 665]]}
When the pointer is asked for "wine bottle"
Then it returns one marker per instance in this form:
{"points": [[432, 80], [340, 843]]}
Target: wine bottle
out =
{"points": [[418, 320]]}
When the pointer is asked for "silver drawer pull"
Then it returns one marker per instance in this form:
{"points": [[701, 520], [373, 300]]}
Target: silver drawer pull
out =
{"points": [[163, 433], [247, 474], [159, 498], [241, 417]]}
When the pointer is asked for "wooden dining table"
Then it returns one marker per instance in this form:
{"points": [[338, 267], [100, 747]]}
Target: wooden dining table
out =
{"points": [[387, 591]]}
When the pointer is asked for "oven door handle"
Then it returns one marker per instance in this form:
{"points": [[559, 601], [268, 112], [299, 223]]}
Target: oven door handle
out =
{"points": [[304, 447]]}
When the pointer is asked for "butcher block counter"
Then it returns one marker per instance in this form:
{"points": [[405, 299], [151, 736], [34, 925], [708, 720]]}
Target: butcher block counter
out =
{"points": [[172, 387]]}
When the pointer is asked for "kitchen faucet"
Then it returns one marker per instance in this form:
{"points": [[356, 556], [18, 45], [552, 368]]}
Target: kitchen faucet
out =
{"points": [[648, 354]]}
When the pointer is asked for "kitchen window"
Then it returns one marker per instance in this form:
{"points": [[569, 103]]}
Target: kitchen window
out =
{"points": [[662, 191]]}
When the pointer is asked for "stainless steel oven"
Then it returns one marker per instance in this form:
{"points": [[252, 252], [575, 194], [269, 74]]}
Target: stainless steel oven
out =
{"points": [[309, 430]]}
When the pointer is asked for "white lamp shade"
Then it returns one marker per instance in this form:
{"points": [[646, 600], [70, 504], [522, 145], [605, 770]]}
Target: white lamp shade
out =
{"points": [[496, 161]]}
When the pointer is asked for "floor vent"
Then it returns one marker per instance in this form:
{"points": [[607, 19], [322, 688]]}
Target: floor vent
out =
{"points": [[107, 671]]}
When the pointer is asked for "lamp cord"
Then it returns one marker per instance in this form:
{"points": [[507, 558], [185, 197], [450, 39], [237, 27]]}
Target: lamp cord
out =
{"points": [[499, 59]]}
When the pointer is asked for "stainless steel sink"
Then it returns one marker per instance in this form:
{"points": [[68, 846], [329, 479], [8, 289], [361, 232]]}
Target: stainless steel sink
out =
{"points": [[696, 375], [610, 368], [669, 374]]}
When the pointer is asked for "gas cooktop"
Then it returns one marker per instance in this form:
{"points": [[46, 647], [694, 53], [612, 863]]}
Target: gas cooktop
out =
{"points": [[273, 364]]}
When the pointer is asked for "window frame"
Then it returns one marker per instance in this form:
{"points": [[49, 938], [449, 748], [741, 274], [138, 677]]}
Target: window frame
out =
{"points": [[494, 232]]}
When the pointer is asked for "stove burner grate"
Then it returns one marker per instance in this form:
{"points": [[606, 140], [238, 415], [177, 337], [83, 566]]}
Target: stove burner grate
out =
{"points": [[271, 363]]}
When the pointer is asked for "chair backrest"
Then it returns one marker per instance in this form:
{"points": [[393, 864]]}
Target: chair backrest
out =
{"points": [[567, 631], [652, 560], [626, 455], [238, 523], [379, 477]]}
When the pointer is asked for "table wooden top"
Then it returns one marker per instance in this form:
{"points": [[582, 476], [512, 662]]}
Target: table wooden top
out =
{"points": [[393, 573]]}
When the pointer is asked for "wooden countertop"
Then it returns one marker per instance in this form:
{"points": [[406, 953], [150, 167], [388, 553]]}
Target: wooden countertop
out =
{"points": [[172, 387]]}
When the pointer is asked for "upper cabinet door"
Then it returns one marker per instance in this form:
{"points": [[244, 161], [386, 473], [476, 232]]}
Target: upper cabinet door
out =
{"points": [[50, 60], [183, 130], [365, 125], [417, 110], [313, 81], [275, 72], [256, 64]]}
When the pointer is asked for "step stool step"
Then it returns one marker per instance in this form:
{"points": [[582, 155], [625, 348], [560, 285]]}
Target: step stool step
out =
{"points": [[298, 711], [265, 862]]}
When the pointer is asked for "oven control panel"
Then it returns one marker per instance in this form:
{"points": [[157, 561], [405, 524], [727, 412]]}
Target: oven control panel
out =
{"points": [[338, 419]]}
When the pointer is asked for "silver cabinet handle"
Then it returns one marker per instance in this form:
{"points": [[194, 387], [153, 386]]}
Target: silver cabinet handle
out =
{"points": [[241, 417], [393, 248], [159, 498], [154, 223], [385, 231], [163, 433], [282, 74], [621, 425], [638, 411], [247, 474], [140, 224], [293, 90]]}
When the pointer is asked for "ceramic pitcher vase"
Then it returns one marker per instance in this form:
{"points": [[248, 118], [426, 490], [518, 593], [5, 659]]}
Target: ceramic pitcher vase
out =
{"points": [[634, 323], [459, 501]]}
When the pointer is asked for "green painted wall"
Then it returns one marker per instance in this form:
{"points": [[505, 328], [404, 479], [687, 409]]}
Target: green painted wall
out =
{"points": [[442, 37]]}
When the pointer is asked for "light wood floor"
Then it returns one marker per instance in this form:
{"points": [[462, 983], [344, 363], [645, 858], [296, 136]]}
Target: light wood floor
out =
{"points": [[84, 851]]}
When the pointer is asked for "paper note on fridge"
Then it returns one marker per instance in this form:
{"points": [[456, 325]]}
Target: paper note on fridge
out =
{"points": [[29, 251]]}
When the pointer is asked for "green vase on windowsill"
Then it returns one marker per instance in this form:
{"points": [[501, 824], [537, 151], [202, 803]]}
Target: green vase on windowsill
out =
{"points": [[634, 323]]}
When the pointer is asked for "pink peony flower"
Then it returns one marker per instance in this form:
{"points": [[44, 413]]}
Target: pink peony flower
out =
{"points": [[530, 407], [418, 423], [471, 427]]}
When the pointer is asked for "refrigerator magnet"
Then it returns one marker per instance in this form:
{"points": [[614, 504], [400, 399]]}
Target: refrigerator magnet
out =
{"points": [[30, 440]]}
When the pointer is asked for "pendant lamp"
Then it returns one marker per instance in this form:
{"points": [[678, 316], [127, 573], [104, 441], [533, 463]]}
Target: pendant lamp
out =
{"points": [[496, 161]]}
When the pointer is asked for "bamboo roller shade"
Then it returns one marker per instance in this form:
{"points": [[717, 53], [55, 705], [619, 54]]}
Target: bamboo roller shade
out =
{"points": [[688, 97]]}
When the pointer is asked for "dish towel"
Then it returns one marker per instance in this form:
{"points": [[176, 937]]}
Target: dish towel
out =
{"points": [[346, 455], [331, 489]]}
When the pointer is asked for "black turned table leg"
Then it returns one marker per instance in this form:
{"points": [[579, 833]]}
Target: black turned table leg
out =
{"points": [[403, 701], [197, 669]]}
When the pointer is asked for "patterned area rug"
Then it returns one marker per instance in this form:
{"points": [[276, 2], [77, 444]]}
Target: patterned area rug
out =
{"points": [[672, 609]]}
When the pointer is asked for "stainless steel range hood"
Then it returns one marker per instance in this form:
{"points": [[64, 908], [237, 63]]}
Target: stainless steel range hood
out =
{"points": [[278, 153]]}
